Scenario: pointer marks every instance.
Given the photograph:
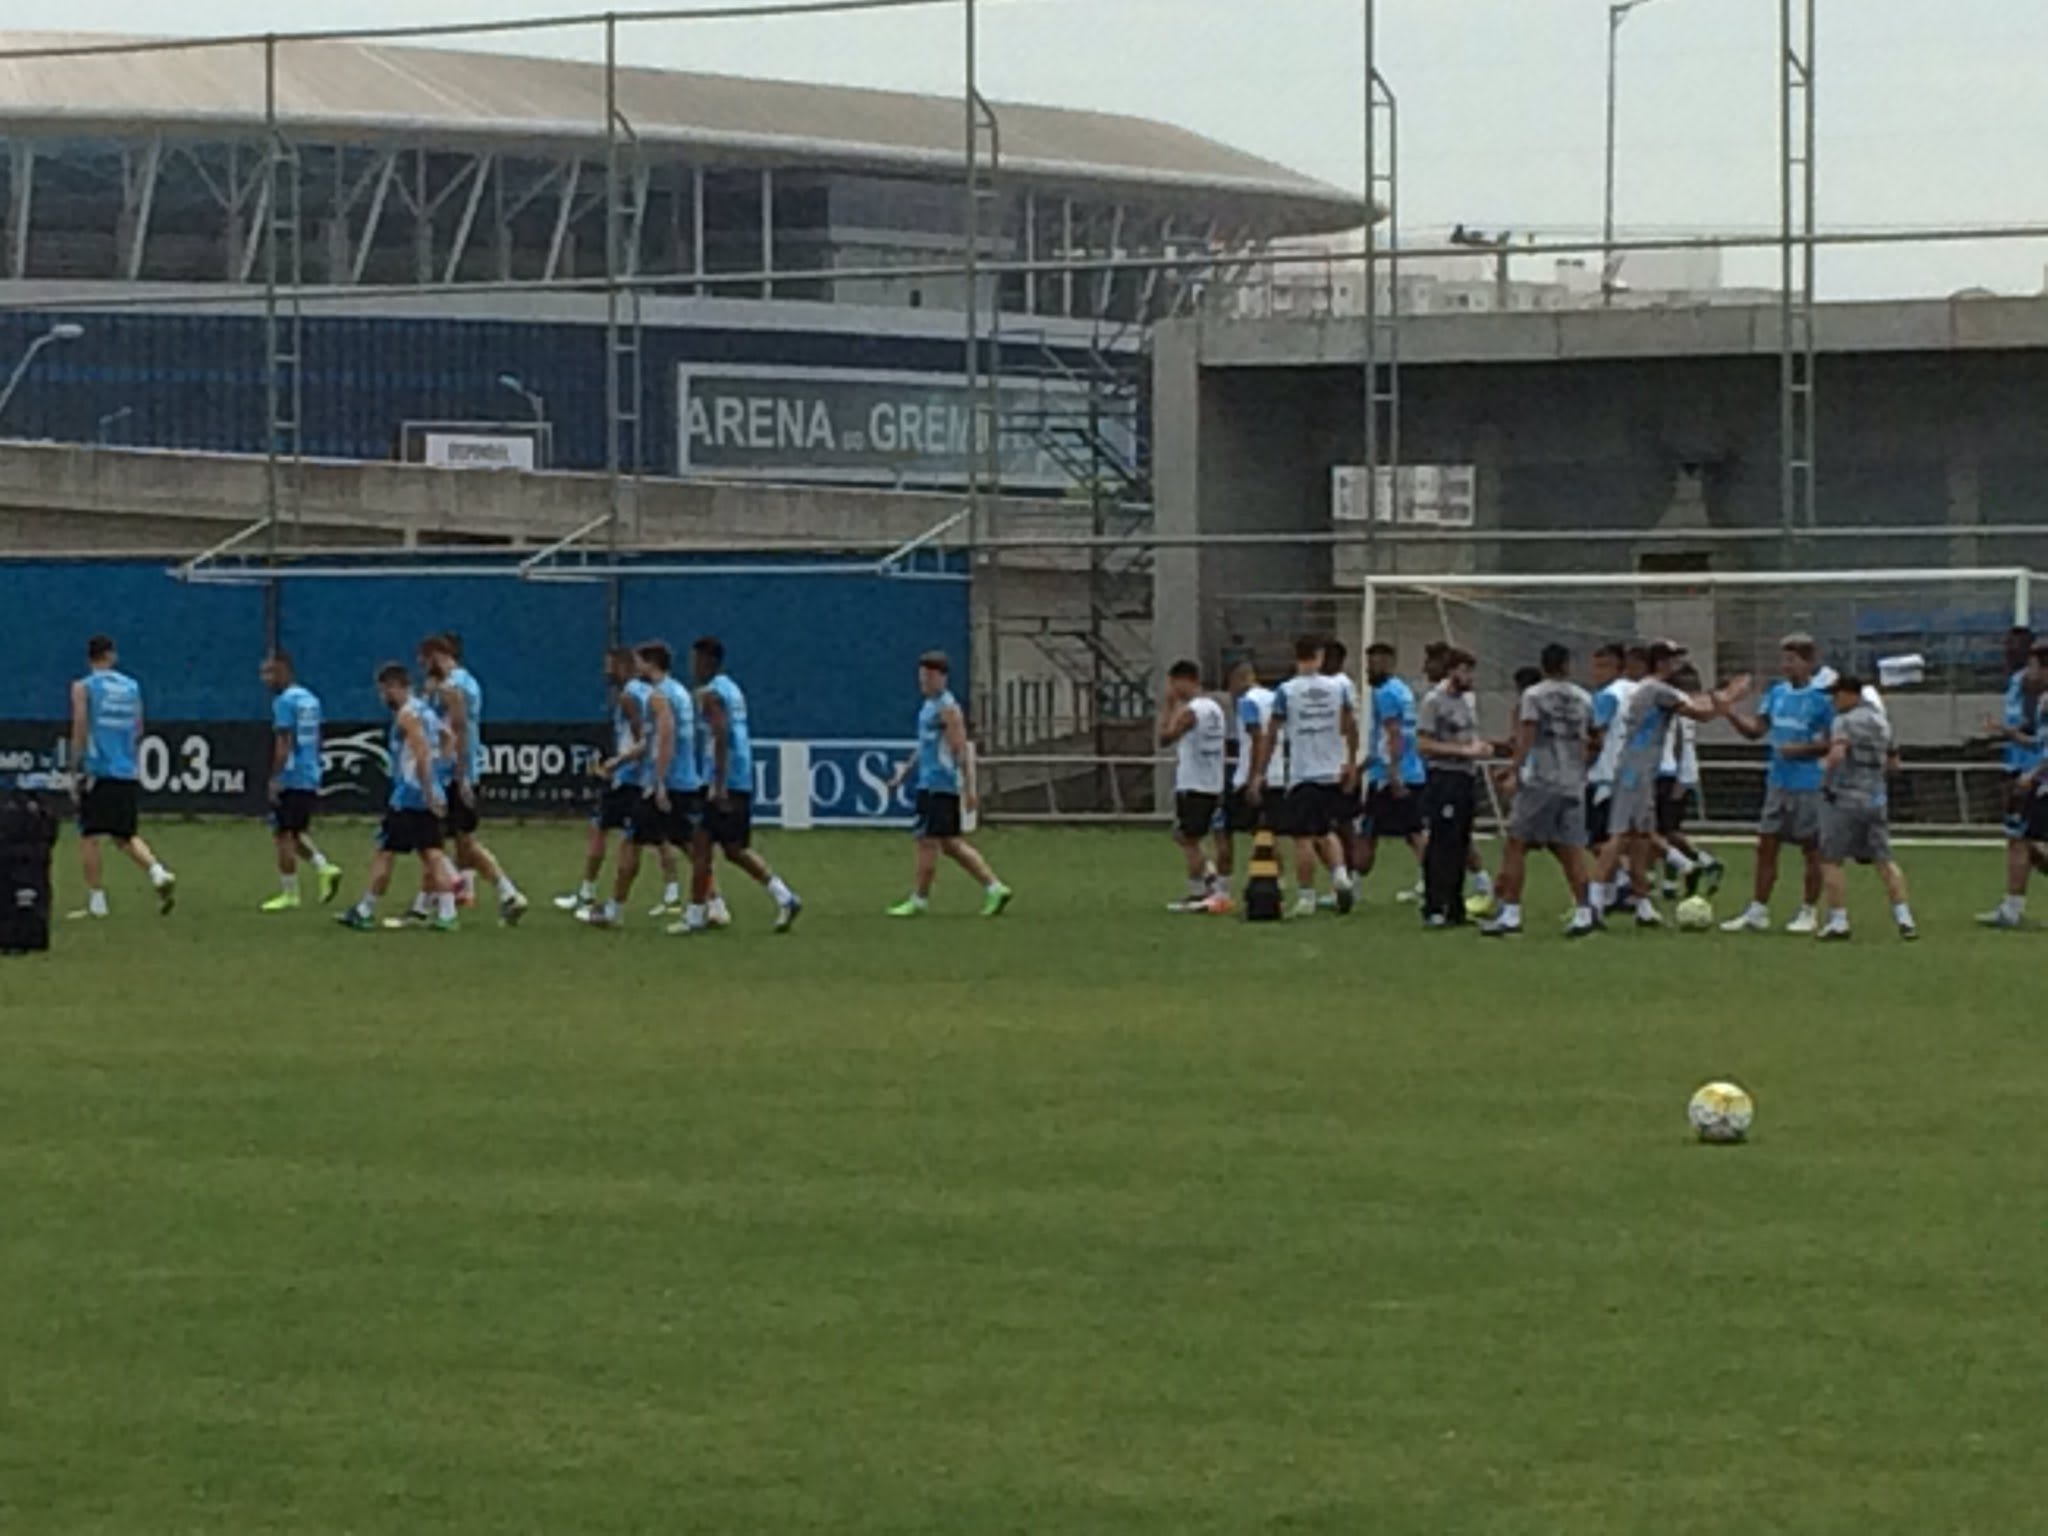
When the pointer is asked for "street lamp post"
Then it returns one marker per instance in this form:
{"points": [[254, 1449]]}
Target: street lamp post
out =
{"points": [[1617, 16], [64, 331], [103, 430], [534, 402]]}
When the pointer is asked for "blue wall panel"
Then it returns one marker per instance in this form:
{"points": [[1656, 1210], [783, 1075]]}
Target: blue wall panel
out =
{"points": [[196, 649], [539, 649], [821, 656]]}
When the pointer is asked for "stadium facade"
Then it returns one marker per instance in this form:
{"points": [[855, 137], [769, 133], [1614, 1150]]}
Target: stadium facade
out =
{"points": [[438, 221]]}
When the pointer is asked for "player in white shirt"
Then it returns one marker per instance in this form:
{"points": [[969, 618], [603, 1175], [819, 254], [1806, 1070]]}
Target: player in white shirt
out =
{"points": [[1678, 782], [1192, 724], [1317, 718], [1616, 671]]}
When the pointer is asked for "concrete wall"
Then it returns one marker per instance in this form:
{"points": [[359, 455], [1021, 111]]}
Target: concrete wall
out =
{"points": [[1639, 423]]}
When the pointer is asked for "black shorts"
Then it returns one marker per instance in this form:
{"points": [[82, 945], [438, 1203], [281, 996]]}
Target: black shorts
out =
{"points": [[615, 810], [1194, 814], [938, 814], [1240, 815], [1674, 801], [730, 823], [294, 810], [110, 808], [1310, 810], [1390, 815], [1597, 807], [410, 832], [653, 827], [2036, 819], [462, 819]]}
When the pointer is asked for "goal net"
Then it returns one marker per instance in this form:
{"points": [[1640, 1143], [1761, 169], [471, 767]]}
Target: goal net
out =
{"points": [[1942, 632]]}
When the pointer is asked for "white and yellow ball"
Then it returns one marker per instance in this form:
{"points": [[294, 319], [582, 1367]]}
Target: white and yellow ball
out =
{"points": [[1722, 1113], [1695, 915]]}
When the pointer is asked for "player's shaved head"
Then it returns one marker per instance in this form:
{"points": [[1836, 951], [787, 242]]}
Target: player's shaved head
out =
{"points": [[656, 655], [99, 648]]}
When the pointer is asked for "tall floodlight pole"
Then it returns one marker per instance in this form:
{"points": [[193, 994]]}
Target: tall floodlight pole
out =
{"points": [[1617, 16], [1382, 321], [1797, 448]]}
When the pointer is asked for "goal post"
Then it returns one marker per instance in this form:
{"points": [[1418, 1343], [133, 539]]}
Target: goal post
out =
{"points": [[1950, 624]]}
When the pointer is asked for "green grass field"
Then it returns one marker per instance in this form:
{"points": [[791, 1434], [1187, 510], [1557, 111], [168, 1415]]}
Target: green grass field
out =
{"points": [[1090, 1219]]}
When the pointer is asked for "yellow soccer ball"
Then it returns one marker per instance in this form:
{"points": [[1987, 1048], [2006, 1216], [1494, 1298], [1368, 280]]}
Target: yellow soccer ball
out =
{"points": [[1722, 1113]]}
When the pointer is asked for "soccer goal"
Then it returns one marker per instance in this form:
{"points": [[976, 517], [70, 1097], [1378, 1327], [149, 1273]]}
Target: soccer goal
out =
{"points": [[1941, 631]]}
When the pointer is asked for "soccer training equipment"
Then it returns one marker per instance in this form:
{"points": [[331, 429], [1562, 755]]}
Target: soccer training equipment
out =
{"points": [[1262, 900], [1722, 1113], [1695, 915]]}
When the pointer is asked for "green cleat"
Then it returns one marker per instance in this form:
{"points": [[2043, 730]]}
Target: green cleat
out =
{"points": [[283, 901], [330, 884], [993, 904], [909, 907], [355, 920], [447, 925]]}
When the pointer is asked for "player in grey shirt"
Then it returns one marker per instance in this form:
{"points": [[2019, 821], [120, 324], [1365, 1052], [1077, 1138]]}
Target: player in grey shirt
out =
{"points": [[1447, 732], [1856, 810], [1553, 736], [1643, 723]]}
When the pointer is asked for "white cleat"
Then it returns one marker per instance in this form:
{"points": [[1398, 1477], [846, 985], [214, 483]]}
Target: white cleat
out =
{"points": [[1997, 917], [569, 903], [662, 909], [1807, 922], [596, 917], [1748, 922]]}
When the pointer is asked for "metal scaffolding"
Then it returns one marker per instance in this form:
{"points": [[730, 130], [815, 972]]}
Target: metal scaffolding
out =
{"points": [[1796, 338], [1382, 320]]}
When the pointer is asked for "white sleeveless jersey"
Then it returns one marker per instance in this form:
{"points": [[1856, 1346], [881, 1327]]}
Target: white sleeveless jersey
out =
{"points": [[1311, 708], [1198, 764]]}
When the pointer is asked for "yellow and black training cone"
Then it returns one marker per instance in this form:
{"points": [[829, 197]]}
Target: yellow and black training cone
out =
{"points": [[1262, 901]]}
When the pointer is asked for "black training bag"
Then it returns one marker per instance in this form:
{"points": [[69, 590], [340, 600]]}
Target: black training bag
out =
{"points": [[28, 833]]}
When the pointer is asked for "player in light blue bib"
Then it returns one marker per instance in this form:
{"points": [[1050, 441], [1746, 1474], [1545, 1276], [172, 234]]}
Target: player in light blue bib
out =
{"points": [[412, 823], [943, 766], [295, 722], [459, 698], [725, 750], [106, 746]]}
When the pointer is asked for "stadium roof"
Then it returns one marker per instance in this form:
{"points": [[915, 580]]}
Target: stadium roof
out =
{"points": [[357, 92]]}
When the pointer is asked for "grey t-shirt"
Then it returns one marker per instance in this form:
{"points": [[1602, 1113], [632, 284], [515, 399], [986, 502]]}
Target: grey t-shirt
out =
{"points": [[1859, 782], [1562, 713], [1448, 717], [1642, 723]]}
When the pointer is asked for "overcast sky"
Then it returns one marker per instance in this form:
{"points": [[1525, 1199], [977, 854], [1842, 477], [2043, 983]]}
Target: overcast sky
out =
{"points": [[1933, 112]]}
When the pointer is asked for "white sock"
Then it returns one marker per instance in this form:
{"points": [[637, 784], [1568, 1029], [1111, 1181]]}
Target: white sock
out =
{"points": [[1678, 863], [96, 903], [780, 891], [1806, 910], [1582, 917], [1902, 914], [611, 911], [1511, 914], [1757, 910], [159, 876], [2014, 907], [992, 887], [367, 907], [919, 901], [672, 894], [423, 903], [1645, 907], [1602, 896], [290, 884], [320, 860], [506, 889], [587, 892], [1343, 879], [1838, 920], [445, 902], [1482, 886], [693, 915], [1209, 872]]}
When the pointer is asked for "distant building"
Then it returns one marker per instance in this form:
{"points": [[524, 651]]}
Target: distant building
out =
{"points": [[1479, 283]]}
